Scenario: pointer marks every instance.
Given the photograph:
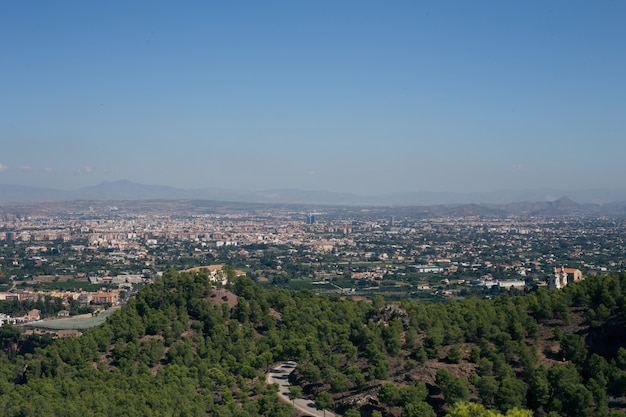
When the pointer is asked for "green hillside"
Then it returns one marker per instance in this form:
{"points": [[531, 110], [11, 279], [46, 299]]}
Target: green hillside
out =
{"points": [[182, 348]]}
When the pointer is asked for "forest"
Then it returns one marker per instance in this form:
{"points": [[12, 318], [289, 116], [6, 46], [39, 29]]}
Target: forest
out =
{"points": [[184, 348]]}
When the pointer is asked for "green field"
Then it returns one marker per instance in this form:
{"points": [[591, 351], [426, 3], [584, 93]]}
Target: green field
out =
{"points": [[75, 323]]}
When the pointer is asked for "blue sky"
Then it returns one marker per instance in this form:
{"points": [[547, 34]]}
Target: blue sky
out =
{"points": [[367, 97]]}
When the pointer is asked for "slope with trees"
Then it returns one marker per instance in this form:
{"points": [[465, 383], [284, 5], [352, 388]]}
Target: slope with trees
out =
{"points": [[178, 349]]}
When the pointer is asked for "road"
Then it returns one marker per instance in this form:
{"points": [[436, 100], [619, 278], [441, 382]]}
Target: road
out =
{"points": [[280, 375]]}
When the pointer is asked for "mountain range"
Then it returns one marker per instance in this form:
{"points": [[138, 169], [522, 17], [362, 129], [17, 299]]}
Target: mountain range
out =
{"points": [[508, 200]]}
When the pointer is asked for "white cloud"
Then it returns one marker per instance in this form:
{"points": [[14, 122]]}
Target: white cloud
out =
{"points": [[48, 169], [26, 168], [517, 167], [312, 172], [3, 168]]}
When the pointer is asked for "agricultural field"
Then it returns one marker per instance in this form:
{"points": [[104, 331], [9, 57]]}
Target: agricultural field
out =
{"points": [[82, 322]]}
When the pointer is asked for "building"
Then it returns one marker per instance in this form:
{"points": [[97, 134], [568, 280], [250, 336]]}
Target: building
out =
{"points": [[33, 315], [105, 298], [563, 276], [512, 284], [5, 318]]}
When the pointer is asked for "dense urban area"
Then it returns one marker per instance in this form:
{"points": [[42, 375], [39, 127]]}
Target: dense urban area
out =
{"points": [[369, 311], [104, 247]]}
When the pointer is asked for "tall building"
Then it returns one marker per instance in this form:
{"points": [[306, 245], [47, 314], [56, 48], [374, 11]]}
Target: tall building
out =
{"points": [[563, 276]]}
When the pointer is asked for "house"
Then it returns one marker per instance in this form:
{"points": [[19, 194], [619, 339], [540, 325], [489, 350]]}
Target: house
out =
{"points": [[104, 298], [28, 296], [84, 297], [33, 315], [63, 313]]}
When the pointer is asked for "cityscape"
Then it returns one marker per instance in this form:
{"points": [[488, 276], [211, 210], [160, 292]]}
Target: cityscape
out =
{"points": [[71, 270], [94, 252], [312, 209]]}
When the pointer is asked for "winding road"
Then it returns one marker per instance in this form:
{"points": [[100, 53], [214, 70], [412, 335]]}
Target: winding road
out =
{"points": [[280, 375]]}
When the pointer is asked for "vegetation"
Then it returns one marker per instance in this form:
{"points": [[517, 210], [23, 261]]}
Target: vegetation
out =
{"points": [[181, 348], [48, 307]]}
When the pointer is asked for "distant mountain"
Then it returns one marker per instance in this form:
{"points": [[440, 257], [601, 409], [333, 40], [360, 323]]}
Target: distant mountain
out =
{"points": [[561, 206], [469, 210], [531, 202], [127, 190], [10, 193], [504, 196]]}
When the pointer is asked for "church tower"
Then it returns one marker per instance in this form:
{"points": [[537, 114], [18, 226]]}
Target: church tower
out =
{"points": [[559, 279]]}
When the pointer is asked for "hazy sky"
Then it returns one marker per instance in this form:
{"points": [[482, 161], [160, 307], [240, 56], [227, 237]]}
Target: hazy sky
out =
{"points": [[358, 96]]}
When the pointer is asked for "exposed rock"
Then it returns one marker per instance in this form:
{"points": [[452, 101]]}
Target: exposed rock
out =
{"points": [[390, 312]]}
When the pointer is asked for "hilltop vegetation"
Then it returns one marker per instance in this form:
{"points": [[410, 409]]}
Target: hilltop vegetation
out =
{"points": [[181, 348]]}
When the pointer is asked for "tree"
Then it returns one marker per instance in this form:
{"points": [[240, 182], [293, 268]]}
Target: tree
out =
{"points": [[539, 389], [511, 394], [338, 381], [474, 355], [454, 354], [9, 335], [389, 394], [311, 373], [569, 395], [324, 401], [620, 358], [418, 409], [392, 337], [432, 342], [466, 409], [413, 393], [572, 349], [265, 360], [487, 387], [295, 391], [577, 401], [454, 388]]}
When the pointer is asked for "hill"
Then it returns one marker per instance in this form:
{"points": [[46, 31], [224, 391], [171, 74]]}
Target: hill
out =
{"points": [[179, 348], [509, 200]]}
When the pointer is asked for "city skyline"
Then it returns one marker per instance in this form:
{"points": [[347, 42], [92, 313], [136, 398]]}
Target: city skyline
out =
{"points": [[357, 97]]}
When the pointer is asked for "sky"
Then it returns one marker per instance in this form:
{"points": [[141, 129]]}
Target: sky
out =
{"points": [[366, 97]]}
